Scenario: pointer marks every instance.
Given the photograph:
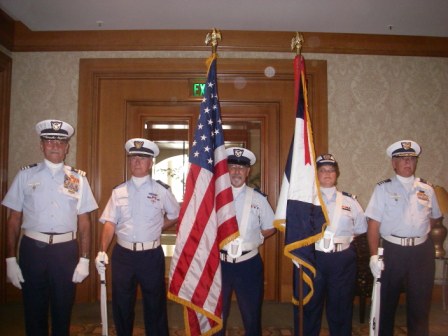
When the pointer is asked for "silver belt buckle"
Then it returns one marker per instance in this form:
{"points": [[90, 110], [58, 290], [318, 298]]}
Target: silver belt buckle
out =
{"points": [[408, 241]]}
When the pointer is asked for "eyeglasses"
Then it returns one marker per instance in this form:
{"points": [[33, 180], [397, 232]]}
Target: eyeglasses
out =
{"points": [[57, 142]]}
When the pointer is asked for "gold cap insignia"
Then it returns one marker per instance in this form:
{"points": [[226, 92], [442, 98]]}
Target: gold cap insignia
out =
{"points": [[406, 145], [138, 144], [56, 125], [238, 152]]}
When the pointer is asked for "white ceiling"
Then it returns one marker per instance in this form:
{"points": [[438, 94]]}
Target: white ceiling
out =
{"points": [[394, 17]]}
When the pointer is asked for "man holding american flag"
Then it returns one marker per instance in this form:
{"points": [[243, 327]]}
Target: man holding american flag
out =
{"points": [[241, 264], [207, 221]]}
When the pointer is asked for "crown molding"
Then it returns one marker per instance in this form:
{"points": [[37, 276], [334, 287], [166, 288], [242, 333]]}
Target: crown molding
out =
{"points": [[18, 38]]}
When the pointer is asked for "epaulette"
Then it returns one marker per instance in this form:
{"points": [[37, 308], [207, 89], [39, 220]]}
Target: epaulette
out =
{"points": [[384, 181], [259, 191], [29, 166], [119, 185], [79, 171], [166, 186], [349, 195], [426, 182]]}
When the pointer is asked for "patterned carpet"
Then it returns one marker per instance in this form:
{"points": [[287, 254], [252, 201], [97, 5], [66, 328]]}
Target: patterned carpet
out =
{"points": [[95, 329]]}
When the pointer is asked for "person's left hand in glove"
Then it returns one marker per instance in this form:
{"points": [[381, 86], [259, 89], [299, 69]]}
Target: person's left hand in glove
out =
{"points": [[81, 270]]}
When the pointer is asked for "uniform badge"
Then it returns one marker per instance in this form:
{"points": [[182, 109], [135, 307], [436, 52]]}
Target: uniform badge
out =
{"points": [[422, 196], [71, 184], [238, 152], [56, 125], [346, 208], [153, 198], [138, 144], [395, 197], [406, 145], [34, 185]]}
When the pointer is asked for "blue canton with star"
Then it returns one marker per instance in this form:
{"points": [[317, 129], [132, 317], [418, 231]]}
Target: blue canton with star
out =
{"points": [[208, 135]]}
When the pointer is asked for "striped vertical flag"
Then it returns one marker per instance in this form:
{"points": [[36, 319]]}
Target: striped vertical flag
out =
{"points": [[300, 212], [207, 221]]}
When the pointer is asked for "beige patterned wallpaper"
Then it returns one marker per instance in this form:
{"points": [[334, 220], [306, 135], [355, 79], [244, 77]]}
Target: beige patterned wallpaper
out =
{"points": [[373, 101]]}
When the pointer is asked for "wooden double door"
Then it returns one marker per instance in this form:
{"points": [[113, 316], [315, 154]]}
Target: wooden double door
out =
{"points": [[156, 98]]}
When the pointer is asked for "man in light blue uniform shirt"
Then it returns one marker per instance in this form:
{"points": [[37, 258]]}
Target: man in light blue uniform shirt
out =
{"points": [[334, 283], [401, 212], [137, 213], [241, 264], [50, 203]]}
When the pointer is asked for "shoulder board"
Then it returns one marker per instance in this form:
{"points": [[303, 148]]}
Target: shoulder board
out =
{"points": [[425, 182], [384, 181], [78, 171], [259, 191], [166, 186], [29, 166], [349, 195], [119, 185]]}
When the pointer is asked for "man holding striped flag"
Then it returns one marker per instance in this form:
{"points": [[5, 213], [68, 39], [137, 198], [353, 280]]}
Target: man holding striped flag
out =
{"points": [[207, 221]]}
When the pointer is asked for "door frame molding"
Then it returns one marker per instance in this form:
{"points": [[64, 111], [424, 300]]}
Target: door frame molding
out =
{"points": [[94, 73]]}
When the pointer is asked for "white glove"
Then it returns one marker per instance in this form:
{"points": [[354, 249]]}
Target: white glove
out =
{"points": [[101, 261], [376, 266], [13, 272], [81, 270]]}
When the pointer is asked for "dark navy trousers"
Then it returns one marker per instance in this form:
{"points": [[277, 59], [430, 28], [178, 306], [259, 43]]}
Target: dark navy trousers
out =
{"points": [[48, 272], [410, 269], [247, 281], [147, 269], [334, 287]]}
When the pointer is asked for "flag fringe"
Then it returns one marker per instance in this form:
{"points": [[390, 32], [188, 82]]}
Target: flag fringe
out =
{"points": [[189, 304], [279, 224], [227, 240]]}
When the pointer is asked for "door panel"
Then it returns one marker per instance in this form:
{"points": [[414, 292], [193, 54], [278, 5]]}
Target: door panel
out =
{"points": [[118, 97]]}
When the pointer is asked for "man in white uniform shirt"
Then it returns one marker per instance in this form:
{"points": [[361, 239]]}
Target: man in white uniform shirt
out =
{"points": [[50, 202], [241, 264], [137, 213], [401, 212]]}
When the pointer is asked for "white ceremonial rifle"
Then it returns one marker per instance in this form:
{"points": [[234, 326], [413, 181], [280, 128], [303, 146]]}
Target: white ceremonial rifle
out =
{"points": [[104, 331], [374, 322]]}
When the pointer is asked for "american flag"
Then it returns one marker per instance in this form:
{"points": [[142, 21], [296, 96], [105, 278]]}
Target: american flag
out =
{"points": [[300, 212], [207, 221]]}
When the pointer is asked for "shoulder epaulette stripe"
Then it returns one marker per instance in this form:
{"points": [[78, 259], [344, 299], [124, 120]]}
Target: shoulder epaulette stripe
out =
{"points": [[349, 195], [384, 181], [166, 186], [29, 166], [260, 192], [118, 185], [425, 182], [79, 171]]}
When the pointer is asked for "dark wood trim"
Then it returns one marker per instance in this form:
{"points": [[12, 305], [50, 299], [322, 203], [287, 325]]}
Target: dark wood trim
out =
{"points": [[6, 30], [193, 40], [5, 96]]}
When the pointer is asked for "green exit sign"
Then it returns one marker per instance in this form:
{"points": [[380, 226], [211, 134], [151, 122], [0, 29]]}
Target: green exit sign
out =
{"points": [[198, 89]]}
